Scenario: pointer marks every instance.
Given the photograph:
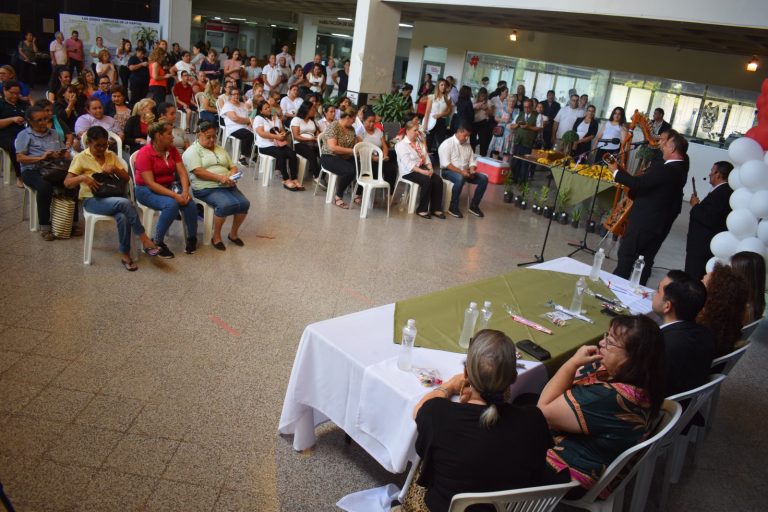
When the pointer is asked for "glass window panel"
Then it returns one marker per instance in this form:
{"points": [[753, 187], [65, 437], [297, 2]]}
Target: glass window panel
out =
{"points": [[584, 86], [544, 83], [713, 115], [563, 86], [617, 97], [740, 120], [529, 77], [686, 114], [665, 101], [639, 99]]}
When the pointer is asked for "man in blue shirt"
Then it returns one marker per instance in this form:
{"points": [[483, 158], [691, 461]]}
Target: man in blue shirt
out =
{"points": [[105, 95]]}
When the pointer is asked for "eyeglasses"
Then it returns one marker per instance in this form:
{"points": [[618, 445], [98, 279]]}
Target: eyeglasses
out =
{"points": [[610, 341]]}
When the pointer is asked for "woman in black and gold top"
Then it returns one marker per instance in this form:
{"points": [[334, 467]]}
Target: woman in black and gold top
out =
{"points": [[337, 154]]}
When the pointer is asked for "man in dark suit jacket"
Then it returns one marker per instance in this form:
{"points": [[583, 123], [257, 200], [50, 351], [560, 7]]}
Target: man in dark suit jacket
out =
{"points": [[707, 219], [657, 195], [551, 108], [689, 347]]}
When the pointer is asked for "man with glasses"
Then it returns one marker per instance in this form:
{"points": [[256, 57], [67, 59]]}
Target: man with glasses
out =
{"points": [[104, 94], [12, 109], [38, 147]]}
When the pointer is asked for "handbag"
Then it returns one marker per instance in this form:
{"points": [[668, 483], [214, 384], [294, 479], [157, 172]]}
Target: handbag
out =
{"points": [[54, 171], [62, 213], [278, 143], [110, 185], [498, 131]]}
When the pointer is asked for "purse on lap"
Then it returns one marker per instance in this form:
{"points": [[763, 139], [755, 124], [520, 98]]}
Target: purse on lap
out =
{"points": [[110, 185]]}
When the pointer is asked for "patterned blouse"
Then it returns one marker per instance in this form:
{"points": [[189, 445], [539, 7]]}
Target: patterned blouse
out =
{"points": [[345, 137], [613, 417]]}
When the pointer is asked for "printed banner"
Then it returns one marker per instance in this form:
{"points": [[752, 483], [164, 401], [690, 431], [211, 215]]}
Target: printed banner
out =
{"points": [[113, 31]]}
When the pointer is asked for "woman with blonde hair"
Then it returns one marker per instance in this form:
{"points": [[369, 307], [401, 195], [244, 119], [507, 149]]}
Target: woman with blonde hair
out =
{"points": [[137, 126], [481, 443], [104, 67], [207, 107], [438, 109]]}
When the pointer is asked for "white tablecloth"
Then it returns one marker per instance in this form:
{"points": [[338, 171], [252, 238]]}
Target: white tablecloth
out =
{"points": [[345, 371]]}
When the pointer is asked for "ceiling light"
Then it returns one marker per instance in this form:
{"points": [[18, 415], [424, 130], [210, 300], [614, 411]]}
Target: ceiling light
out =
{"points": [[752, 64], [216, 18], [406, 25], [273, 25], [344, 19], [340, 35], [513, 36], [237, 19]]}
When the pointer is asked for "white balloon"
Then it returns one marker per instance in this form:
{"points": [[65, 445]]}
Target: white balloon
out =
{"points": [[741, 223], [734, 178], [754, 174], [758, 204], [740, 199], [751, 244], [723, 245], [711, 263], [762, 231], [745, 149]]}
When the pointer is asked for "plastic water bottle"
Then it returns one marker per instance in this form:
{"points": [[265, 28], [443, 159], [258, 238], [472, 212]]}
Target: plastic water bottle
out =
{"points": [[406, 346], [485, 315], [637, 271], [578, 295], [597, 265], [402, 201], [470, 318]]}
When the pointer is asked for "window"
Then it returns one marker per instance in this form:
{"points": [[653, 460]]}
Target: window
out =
{"points": [[686, 114], [639, 99]]}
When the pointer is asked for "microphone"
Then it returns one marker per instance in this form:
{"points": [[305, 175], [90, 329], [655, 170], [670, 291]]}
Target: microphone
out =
{"points": [[614, 140], [641, 143]]}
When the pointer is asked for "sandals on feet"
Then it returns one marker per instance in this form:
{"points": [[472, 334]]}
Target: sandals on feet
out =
{"points": [[341, 204], [358, 200], [129, 265]]}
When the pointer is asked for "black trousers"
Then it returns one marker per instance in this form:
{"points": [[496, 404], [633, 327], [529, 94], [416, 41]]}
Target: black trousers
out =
{"points": [[636, 242], [389, 169], [309, 152], [431, 191], [520, 169], [344, 168], [437, 135], [157, 93], [138, 92], [246, 140], [27, 72], [284, 155], [482, 136], [124, 73]]}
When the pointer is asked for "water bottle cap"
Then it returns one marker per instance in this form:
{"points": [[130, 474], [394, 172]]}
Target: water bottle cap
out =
{"points": [[601, 250], [487, 304], [473, 304], [411, 322]]}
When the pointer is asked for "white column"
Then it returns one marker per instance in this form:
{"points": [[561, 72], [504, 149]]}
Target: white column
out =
{"points": [[176, 22], [374, 46], [306, 39]]}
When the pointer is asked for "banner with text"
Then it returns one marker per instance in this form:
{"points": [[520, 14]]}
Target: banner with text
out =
{"points": [[113, 31]]}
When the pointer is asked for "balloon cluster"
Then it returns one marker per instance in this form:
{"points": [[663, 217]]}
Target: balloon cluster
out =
{"points": [[748, 221]]}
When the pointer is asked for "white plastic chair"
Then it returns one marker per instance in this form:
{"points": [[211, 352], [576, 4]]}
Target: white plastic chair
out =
{"points": [[302, 168], [363, 151], [411, 195], [113, 136], [722, 365], [529, 499], [671, 412], [34, 221], [6, 166], [331, 180], [676, 443], [208, 214], [448, 192], [234, 148], [748, 329], [91, 219]]}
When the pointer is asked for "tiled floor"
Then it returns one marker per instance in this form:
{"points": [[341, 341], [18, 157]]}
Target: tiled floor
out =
{"points": [[161, 389]]}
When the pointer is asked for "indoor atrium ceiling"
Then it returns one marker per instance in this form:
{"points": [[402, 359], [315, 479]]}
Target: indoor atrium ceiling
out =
{"points": [[691, 36]]}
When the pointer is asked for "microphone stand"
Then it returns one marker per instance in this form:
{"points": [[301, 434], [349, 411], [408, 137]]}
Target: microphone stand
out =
{"points": [[582, 246]]}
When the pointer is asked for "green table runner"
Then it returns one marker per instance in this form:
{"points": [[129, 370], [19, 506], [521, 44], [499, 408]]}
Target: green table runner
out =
{"points": [[439, 316], [581, 187]]}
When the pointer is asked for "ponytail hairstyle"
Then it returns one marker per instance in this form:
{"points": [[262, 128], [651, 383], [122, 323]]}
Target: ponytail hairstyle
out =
{"points": [[491, 369]]}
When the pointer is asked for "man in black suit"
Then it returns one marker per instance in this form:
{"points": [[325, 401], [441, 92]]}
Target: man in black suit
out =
{"points": [[551, 108], [707, 219], [656, 194], [689, 347]]}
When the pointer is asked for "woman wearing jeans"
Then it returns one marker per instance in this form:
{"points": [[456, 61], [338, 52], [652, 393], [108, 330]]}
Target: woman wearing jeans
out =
{"points": [[158, 165], [98, 159], [211, 175]]}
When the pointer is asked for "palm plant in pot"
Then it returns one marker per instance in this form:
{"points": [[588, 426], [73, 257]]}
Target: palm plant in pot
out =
{"points": [[563, 197], [544, 208], [524, 189], [576, 217]]}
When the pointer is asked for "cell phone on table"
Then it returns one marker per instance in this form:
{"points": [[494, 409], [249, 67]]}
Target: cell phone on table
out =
{"points": [[534, 350]]}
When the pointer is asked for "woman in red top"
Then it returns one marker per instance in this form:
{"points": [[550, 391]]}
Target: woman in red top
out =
{"points": [[158, 74], [162, 183]]}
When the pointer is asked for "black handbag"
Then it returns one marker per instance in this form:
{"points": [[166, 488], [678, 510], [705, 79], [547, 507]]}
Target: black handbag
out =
{"points": [[110, 185], [54, 171]]}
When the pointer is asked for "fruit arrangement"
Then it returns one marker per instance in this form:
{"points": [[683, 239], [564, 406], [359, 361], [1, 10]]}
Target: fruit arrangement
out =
{"points": [[595, 171]]}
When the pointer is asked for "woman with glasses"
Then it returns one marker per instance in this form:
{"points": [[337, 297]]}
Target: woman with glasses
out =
{"points": [[211, 175], [605, 399]]}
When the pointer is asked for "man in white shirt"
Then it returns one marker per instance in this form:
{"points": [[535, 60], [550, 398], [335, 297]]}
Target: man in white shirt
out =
{"points": [[288, 58], [458, 164], [272, 76], [565, 119]]}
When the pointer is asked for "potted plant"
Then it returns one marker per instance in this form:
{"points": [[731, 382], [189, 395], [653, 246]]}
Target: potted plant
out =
{"points": [[392, 108], [509, 195], [569, 138], [149, 35], [576, 217], [563, 196], [524, 190], [543, 200]]}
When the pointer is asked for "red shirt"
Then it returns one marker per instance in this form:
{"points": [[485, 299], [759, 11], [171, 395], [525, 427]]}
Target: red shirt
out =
{"points": [[74, 49], [183, 93], [163, 168]]}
